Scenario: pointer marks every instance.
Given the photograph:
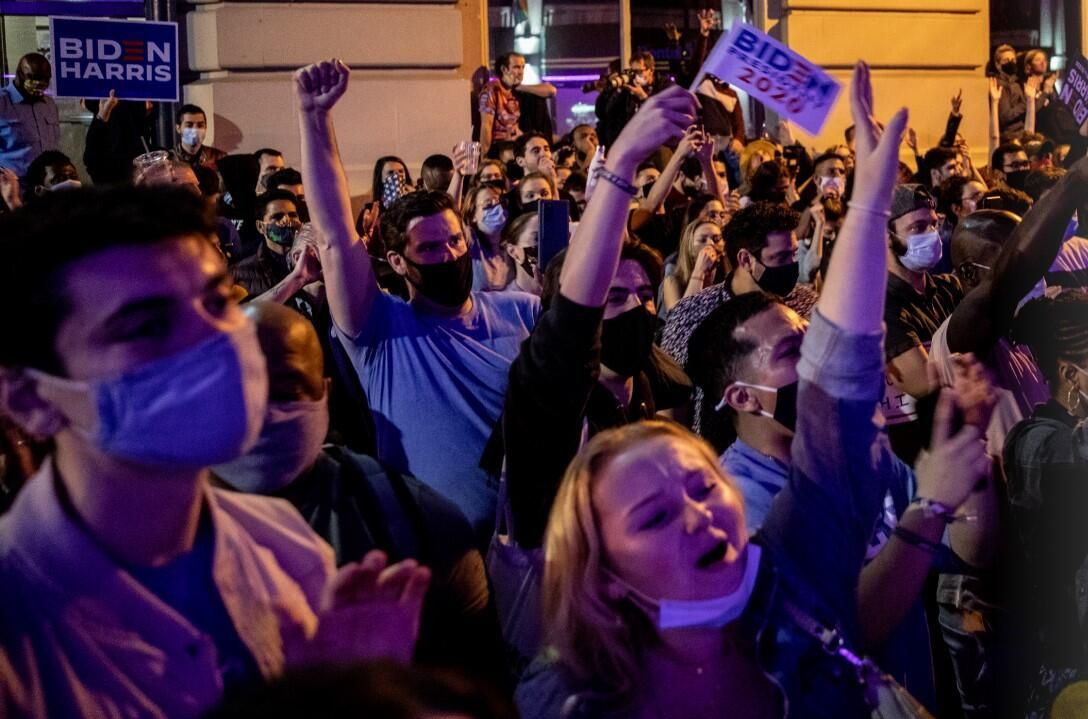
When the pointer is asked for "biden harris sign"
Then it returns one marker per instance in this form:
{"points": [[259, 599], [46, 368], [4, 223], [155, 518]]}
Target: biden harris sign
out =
{"points": [[139, 60]]}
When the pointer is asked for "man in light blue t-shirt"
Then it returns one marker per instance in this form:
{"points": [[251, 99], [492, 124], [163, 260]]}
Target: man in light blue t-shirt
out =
{"points": [[434, 368]]}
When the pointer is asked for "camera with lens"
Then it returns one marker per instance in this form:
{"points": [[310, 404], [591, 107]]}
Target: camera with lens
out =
{"points": [[615, 80]]}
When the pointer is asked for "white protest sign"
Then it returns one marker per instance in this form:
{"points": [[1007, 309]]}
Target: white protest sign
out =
{"points": [[775, 75]]}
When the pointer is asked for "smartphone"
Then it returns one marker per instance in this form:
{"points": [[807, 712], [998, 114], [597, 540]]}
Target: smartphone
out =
{"points": [[554, 229]]}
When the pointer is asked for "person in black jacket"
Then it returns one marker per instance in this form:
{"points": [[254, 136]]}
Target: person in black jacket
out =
{"points": [[590, 361], [120, 131], [358, 504]]}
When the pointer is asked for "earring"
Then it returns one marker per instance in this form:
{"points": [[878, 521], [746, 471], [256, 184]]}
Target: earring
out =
{"points": [[1073, 399]]}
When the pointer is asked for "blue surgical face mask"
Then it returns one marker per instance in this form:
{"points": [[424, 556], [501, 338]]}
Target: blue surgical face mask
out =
{"points": [[494, 219], [200, 407], [289, 443], [191, 137], [924, 251], [698, 613]]}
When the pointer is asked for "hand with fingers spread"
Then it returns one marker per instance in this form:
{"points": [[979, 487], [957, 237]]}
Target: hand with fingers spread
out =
{"points": [[995, 90], [370, 610], [708, 19], [877, 162], [320, 86], [957, 102]]}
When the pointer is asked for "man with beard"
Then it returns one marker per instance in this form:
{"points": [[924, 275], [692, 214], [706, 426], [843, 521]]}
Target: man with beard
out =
{"points": [[29, 122], [917, 303], [434, 368]]}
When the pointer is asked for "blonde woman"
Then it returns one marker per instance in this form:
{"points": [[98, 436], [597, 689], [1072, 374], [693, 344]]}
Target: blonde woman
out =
{"points": [[657, 604], [699, 263], [484, 213]]}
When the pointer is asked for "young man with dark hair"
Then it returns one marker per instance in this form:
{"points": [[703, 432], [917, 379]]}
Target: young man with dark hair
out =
{"points": [[135, 361], [29, 120], [51, 170], [434, 368], [436, 172], [269, 161], [762, 246], [290, 180], [192, 127], [266, 274], [1010, 163], [940, 163], [918, 302]]}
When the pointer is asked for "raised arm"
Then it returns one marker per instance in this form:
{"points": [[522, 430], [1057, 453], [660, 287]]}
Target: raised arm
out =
{"points": [[595, 248], [954, 119], [987, 311], [853, 295], [544, 89], [994, 134], [349, 277]]}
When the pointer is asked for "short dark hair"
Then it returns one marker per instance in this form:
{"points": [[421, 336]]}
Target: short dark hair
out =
{"points": [[503, 61], [286, 176], [1039, 181], [421, 203], [266, 151], [523, 141], [765, 179], [35, 174], [997, 160], [698, 203], [1013, 200], [433, 170], [40, 242], [649, 258], [498, 147], [576, 182], [829, 155], [715, 354], [260, 205], [207, 179], [645, 57], [848, 133], [937, 156], [189, 109], [978, 230], [950, 192], [1054, 328], [750, 226]]}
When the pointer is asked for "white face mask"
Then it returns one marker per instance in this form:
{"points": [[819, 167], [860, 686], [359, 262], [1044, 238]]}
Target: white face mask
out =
{"points": [[700, 613], [66, 185], [828, 184], [924, 251]]}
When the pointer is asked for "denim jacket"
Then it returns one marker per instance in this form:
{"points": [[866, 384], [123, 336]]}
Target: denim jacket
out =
{"points": [[814, 539]]}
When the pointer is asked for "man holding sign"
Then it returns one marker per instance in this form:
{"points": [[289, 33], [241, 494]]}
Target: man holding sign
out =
{"points": [[29, 122]]}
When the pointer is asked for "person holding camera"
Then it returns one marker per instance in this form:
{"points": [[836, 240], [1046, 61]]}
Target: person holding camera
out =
{"points": [[623, 95]]}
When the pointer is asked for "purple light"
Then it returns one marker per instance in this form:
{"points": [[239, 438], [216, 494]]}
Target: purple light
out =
{"points": [[570, 78]]}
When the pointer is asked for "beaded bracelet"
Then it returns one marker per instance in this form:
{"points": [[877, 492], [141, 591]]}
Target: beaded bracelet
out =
{"points": [[870, 210], [602, 174]]}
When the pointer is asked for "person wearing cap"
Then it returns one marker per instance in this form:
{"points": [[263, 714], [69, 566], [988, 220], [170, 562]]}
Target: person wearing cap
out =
{"points": [[918, 301]]}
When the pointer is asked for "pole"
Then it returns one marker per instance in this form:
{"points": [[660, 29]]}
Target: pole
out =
{"points": [[163, 11]]}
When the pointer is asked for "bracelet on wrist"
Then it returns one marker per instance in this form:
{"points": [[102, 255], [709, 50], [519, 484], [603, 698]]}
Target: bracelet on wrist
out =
{"points": [[615, 180], [932, 508], [869, 210]]}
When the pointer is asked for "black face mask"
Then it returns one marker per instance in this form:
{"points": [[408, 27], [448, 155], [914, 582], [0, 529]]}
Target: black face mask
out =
{"points": [[626, 340], [446, 283], [1009, 67], [776, 196], [785, 407], [1016, 179], [779, 280]]}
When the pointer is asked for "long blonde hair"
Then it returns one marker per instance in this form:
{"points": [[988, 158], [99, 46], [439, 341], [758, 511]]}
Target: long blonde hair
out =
{"points": [[687, 254], [600, 637]]}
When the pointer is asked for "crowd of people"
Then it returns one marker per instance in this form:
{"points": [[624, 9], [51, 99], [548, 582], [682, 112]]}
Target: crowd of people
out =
{"points": [[653, 419]]}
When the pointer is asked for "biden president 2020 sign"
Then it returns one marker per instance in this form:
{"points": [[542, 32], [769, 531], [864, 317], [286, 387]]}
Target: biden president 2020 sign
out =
{"points": [[138, 60]]}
